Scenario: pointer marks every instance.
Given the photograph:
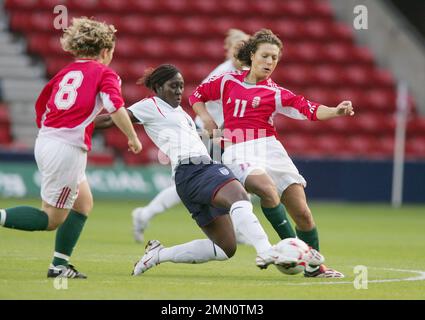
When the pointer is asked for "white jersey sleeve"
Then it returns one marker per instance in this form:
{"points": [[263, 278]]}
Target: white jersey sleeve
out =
{"points": [[144, 111]]}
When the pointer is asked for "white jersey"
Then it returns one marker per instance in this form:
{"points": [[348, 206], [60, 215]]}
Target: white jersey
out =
{"points": [[171, 129], [215, 108]]}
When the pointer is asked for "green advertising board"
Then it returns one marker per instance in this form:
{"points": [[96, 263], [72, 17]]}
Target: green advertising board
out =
{"points": [[117, 182]]}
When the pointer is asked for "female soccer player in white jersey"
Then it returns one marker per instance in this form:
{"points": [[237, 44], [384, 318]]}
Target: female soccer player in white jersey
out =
{"points": [[65, 112], [208, 189], [168, 197], [250, 99]]}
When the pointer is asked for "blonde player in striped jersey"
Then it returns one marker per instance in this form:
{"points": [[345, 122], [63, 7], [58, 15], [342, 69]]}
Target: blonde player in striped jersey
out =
{"points": [[65, 112], [168, 197]]}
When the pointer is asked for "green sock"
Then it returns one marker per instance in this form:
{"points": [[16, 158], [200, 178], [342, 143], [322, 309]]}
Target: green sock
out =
{"points": [[24, 218], [277, 217], [310, 237], [67, 236]]}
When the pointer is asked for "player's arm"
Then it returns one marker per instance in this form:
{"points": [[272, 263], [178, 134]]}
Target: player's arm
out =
{"points": [[202, 112], [122, 120], [110, 94], [104, 121], [298, 107], [345, 108], [207, 91]]}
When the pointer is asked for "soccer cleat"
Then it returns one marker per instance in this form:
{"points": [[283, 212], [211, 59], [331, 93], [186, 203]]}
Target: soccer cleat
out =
{"points": [[68, 271], [321, 272], [149, 259], [271, 256], [139, 224], [314, 258]]}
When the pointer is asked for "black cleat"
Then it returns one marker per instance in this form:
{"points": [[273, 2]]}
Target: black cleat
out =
{"points": [[322, 272], [65, 272]]}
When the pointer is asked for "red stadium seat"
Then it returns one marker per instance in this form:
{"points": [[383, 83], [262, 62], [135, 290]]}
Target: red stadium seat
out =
{"points": [[329, 145], [380, 100], [382, 78], [384, 147], [203, 7], [101, 159], [360, 145], [320, 61], [294, 74], [149, 155], [326, 75], [415, 147], [91, 5], [341, 32], [288, 29], [357, 75], [416, 127], [4, 115], [296, 144], [293, 8], [5, 136]]}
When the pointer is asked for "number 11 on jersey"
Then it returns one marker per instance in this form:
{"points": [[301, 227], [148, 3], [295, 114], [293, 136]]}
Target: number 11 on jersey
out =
{"points": [[238, 103]]}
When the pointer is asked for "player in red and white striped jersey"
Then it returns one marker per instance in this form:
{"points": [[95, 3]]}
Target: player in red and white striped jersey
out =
{"points": [[65, 111], [250, 100]]}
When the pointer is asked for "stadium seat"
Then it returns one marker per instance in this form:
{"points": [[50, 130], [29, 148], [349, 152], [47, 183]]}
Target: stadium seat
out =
{"points": [[4, 115], [415, 147], [101, 159], [329, 145], [5, 134], [416, 127], [5, 137], [360, 146], [320, 61], [326, 75], [384, 147]]}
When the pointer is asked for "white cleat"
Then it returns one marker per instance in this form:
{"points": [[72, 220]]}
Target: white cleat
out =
{"points": [[149, 259], [314, 258], [139, 224], [271, 256]]}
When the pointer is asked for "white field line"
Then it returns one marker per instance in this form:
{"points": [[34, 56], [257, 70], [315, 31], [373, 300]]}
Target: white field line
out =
{"points": [[419, 277]]}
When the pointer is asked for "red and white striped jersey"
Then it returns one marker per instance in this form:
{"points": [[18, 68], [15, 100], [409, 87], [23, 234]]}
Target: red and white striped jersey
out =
{"points": [[249, 108], [68, 104]]}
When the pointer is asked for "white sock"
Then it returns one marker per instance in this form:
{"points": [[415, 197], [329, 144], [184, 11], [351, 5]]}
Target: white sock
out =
{"points": [[2, 217], [247, 223], [163, 200], [196, 251]]}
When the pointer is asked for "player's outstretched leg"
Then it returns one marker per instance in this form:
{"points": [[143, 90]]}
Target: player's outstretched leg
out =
{"points": [[24, 218], [233, 196], [196, 251], [295, 201]]}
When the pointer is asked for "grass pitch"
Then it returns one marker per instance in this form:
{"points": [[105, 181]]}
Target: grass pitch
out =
{"points": [[389, 242]]}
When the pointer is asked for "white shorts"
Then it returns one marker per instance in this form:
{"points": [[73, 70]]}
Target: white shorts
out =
{"points": [[62, 167], [266, 154]]}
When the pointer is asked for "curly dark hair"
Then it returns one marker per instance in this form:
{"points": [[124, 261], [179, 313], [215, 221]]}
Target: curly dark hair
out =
{"points": [[249, 47], [155, 78]]}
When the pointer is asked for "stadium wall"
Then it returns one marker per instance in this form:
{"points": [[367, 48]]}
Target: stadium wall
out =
{"points": [[333, 180]]}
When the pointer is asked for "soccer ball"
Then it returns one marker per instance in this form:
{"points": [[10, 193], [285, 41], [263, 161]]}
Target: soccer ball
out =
{"points": [[295, 248]]}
